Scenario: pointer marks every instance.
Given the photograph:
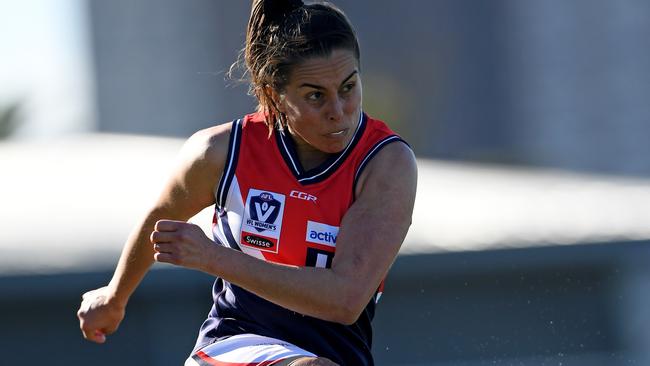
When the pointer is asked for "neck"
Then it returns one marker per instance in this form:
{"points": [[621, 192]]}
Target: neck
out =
{"points": [[309, 156]]}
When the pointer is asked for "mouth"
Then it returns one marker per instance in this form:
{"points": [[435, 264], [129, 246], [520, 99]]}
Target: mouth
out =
{"points": [[337, 133]]}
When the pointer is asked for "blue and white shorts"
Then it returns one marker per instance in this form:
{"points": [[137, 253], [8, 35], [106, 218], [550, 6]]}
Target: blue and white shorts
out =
{"points": [[246, 350]]}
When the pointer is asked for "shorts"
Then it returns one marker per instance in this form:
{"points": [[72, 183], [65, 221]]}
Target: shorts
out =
{"points": [[246, 350]]}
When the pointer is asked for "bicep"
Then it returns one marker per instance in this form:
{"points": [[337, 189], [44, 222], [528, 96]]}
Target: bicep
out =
{"points": [[191, 183], [375, 226]]}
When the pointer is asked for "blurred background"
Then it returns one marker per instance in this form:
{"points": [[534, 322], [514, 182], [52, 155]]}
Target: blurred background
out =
{"points": [[530, 120]]}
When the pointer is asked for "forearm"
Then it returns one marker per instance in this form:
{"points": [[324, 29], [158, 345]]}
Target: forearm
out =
{"points": [[337, 294], [136, 258], [323, 293], [134, 262]]}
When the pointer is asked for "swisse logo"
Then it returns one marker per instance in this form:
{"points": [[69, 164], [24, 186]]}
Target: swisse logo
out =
{"points": [[258, 242], [322, 233], [302, 196]]}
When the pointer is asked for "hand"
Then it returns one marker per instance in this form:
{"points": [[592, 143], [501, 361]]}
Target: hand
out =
{"points": [[182, 244], [98, 316]]}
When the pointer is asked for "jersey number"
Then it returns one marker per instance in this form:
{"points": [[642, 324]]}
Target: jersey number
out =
{"points": [[319, 258]]}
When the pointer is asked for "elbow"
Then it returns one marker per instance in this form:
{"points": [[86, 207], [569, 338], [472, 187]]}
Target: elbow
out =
{"points": [[349, 318], [349, 307]]}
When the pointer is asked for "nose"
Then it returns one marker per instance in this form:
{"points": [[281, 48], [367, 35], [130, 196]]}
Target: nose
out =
{"points": [[335, 110]]}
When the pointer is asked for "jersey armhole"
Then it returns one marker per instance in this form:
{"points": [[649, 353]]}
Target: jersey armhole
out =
{"points": [[371, 153], [221, 190]]}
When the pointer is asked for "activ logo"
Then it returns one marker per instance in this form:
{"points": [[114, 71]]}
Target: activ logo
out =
{"points": [[322, 233]]}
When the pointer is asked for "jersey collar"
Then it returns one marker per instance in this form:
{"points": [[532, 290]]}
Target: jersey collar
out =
{"points": [[287, 148]]}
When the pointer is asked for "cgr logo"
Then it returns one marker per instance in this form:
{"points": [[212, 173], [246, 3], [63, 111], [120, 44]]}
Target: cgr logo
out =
{"points": [[321, 233], [302, 196]]}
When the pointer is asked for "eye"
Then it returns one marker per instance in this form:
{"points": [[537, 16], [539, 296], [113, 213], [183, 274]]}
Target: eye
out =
{"points": [[314, 96], [348, 87]]}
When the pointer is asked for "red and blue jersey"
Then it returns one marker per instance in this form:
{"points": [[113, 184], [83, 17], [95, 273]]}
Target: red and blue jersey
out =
{"points": [[269, 207]]}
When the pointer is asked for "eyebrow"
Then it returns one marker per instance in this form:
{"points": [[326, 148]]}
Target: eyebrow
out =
{"points": [[321, 88]]}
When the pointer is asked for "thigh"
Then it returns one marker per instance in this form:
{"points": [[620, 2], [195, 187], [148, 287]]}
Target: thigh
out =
{"points": [[249, 349], [305, 361]]}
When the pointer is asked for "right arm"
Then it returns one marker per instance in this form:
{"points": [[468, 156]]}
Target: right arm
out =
{"points": [[201, 160]]}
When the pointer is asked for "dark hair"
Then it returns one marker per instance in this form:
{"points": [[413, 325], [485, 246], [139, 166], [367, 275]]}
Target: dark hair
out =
{"points": [[283, 33]]}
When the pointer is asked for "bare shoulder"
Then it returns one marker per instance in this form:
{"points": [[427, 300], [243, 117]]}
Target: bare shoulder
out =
{"points": [[198, 169], [393, 165], [209, 145]]}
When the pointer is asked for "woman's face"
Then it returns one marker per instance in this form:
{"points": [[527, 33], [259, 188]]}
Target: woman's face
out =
{"points": [[322, 101]]}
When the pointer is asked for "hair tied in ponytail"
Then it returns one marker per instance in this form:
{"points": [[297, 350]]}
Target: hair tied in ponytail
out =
{"points": [[276, 10]]}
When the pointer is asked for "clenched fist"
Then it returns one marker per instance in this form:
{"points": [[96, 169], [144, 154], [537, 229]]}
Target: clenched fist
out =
{"points": [[182, 244], [98, 315]]}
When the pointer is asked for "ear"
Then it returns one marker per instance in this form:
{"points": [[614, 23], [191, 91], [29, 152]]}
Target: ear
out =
{"points": [[275, 97]]}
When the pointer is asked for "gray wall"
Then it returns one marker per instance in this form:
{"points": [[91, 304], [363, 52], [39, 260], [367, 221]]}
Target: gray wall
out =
{"points": [[161, 66], [555, 83]]}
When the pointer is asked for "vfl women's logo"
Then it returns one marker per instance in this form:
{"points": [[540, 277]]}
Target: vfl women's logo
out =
{"points": [[263, 211], [262, 221]]}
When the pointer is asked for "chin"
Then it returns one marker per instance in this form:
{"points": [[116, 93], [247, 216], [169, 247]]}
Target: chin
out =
{"points": [[334, 149]]}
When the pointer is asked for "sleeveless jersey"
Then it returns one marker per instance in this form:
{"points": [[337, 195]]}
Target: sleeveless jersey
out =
{"points": [[269, 207]]}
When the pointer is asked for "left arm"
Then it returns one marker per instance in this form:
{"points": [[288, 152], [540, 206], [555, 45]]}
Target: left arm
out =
{"points": [[369, 239]]}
